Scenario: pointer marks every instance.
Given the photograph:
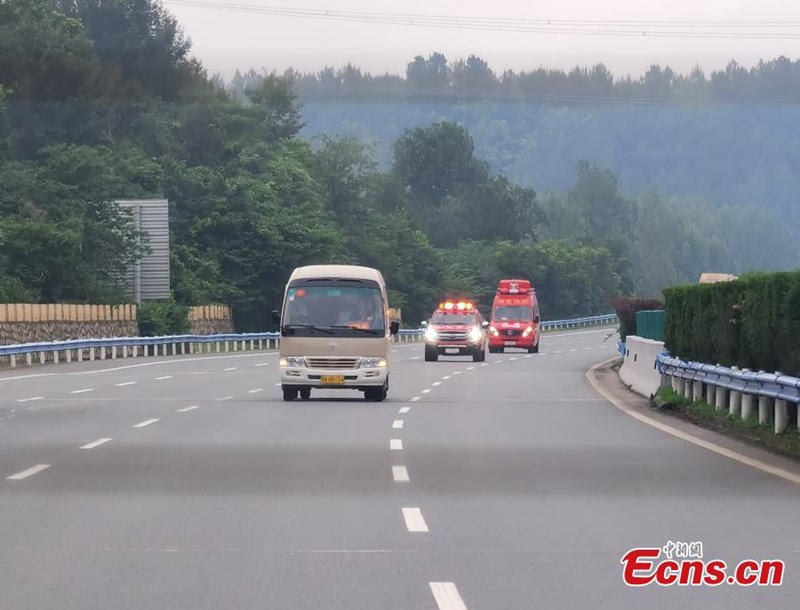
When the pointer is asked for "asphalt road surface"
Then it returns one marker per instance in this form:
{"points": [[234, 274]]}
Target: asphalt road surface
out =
{"points": [[187, 483]]}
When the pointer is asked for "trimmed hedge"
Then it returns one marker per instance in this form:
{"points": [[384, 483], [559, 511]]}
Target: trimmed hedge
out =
{"points": [[626, 309], [753, 322]]}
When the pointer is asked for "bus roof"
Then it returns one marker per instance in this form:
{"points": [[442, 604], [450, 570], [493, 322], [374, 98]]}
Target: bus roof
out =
{"points": [[354, 272]]}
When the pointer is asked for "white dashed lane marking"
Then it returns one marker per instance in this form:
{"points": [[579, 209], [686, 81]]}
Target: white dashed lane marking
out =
{"points": [[31, 399], [97, 443], [426, 391], [82, 391], [470, 368], [404, 409], [262, 364], [187, 409], [124, 383], [414, 520], [231, 368], [27, 473], [446, 377], [395, 444], [446, 596], [255, 390], [435, 383], [400, 474], [414, 398], [397, 424], [223, 398], [145, 423], [162, 378]]}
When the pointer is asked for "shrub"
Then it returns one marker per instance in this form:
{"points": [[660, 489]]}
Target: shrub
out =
{"points": [[626, 309], [753, 322], [165, 317]]}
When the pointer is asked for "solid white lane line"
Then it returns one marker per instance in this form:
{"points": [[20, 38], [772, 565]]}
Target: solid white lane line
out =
{"points": [[404, 409], [27, 473], [97, 443], [397, 424], [395, 444], [414, 398], [400, 474], [435, 383], [426, 391], [262, 364], [31, 399], [446, 596], [223, 398], [162, 378], [231, 368], [124, 383], [82, 391], [446, 377], [144, 423], [187, 409], [414, 520], [255, 390]]}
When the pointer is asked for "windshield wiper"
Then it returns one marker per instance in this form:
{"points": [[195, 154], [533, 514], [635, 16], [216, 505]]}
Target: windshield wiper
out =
{"points": [[363, 330], [308, 326]]}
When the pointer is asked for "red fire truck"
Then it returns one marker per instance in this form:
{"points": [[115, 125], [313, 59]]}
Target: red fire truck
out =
{"points": [[456, 328], [515, 317]]}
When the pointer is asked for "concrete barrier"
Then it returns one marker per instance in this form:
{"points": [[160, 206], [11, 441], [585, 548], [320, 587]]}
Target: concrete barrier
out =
{"points": [[639, 365]]}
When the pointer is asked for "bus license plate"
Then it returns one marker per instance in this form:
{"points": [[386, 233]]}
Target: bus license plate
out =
{"points": [[332, 379]]}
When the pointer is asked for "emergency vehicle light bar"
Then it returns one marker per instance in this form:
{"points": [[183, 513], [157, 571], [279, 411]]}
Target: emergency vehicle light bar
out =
{"points": [[460, 305]]}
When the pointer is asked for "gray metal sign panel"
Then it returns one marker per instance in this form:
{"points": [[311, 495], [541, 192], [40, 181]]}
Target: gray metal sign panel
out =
{"points": [[149, 279]]}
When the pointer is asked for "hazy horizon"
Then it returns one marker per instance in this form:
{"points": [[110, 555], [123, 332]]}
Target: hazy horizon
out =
{"points": [[225, 40]]}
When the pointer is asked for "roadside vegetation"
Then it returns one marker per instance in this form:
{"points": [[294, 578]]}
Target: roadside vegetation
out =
{"points": [[103, 100]]}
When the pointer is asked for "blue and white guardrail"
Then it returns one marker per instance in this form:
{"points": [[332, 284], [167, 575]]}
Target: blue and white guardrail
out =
{"points": [[740, 391], [79, 350]]}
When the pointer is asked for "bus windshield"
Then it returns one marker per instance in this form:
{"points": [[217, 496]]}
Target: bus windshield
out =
{"points": [[336, 309]]}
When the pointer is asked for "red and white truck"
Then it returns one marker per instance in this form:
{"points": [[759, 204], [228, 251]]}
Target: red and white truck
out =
{"points": [[514, 321]]}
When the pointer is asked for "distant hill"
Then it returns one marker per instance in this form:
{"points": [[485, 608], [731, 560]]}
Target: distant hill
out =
{"points": [[729, 153]]}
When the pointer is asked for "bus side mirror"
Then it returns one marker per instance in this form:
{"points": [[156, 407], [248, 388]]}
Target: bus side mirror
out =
{"points": [[424, 323], [276, 316], [394, 327]]}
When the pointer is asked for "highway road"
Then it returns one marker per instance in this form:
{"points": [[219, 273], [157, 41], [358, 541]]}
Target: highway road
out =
{"points": [[187, 483]]}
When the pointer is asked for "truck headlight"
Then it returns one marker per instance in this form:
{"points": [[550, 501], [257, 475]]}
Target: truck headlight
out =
{"points": [[371, 363], [527, 331], [494, 331], [475, 334], [297, 361], [431, 334]]}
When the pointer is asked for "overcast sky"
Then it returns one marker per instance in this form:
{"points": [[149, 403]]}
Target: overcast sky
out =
{"points": [[225, 40]]}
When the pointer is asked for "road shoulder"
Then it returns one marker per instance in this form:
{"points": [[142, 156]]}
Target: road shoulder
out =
{"points": [[605, 380]]}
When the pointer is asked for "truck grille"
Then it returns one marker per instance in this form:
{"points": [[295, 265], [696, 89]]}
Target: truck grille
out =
{"points": [[452, 335], [512, 332], [332, 362]]}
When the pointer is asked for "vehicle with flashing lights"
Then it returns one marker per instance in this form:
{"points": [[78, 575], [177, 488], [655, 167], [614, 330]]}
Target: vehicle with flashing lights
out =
{"points": [[456, 328], [514, 320], [335, 331]]}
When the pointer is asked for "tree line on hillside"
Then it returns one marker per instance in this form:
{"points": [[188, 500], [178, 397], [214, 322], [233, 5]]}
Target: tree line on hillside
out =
{"points": [[85, 120], [435, 76]]}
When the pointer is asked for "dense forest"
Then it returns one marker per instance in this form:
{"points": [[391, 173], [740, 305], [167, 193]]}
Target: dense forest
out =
{"points": [[102, 100]]}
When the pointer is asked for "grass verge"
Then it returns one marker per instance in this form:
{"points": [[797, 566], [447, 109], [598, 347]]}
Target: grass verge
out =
{"points": [[707, 416]]}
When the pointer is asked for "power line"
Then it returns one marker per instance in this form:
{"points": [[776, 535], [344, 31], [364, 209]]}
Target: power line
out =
{"points": [[716, 29]]}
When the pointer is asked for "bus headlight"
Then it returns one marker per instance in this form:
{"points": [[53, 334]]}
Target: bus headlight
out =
{"points": [[371, 363], [430, 334], [297, 361], [475, 334]]}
